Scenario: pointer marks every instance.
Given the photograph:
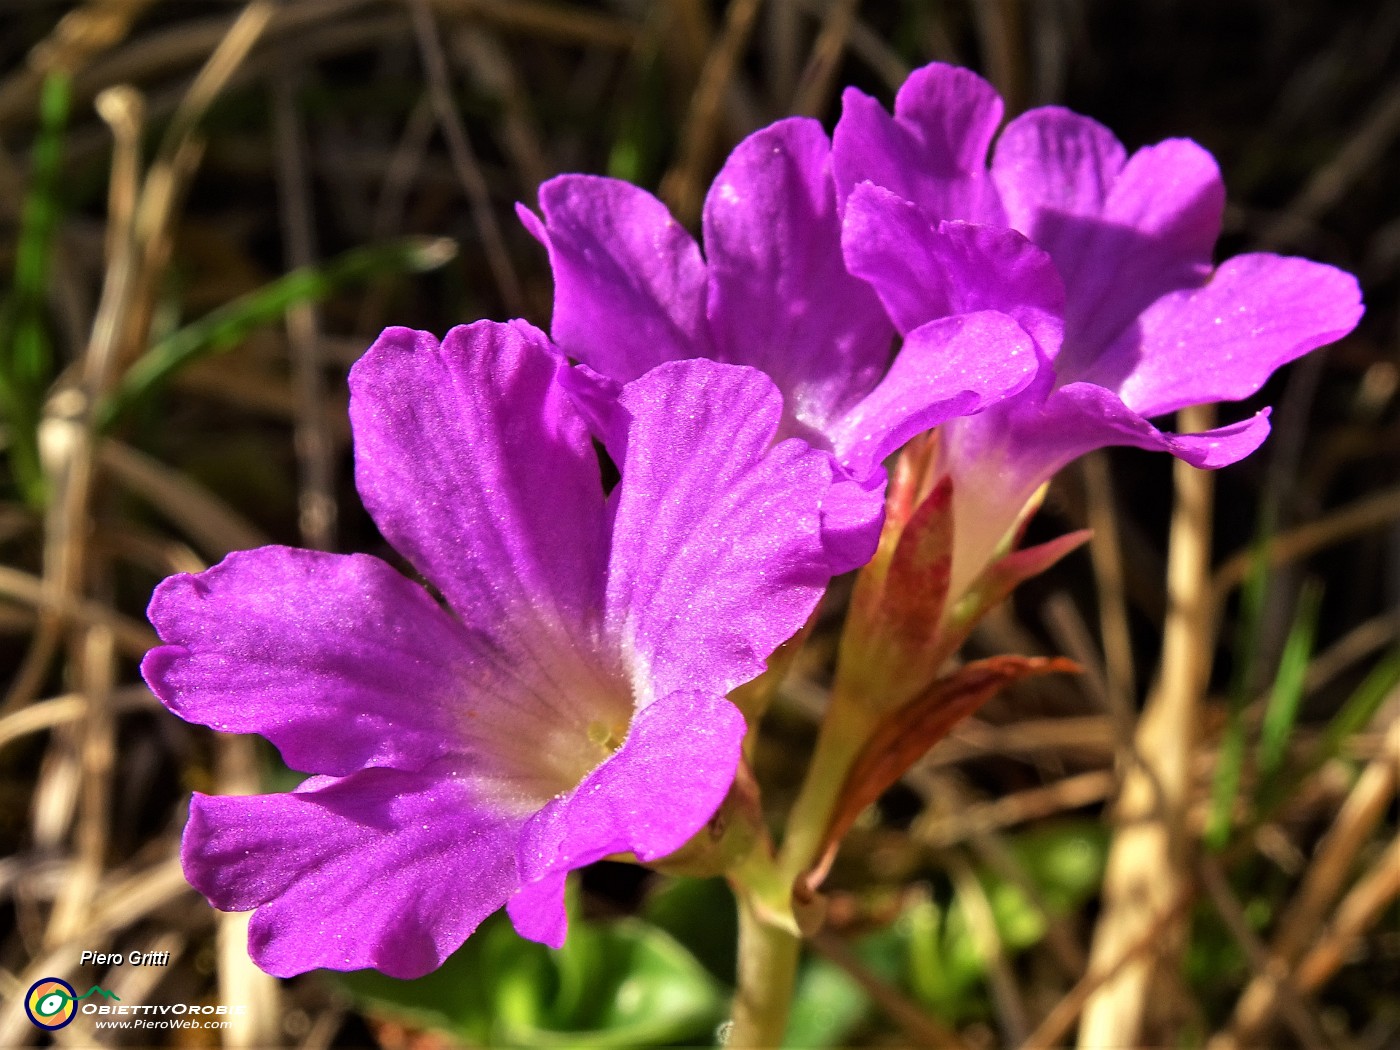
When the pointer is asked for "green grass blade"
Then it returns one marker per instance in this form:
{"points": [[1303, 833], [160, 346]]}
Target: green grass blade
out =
{"points": [[26, 350], [224, 328], [1229, 767], [1360, 707], [1282, 712], [1353, 716], [1229, 770]]}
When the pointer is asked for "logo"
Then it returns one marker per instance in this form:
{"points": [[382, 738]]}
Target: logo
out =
{"points": [[51, 1002]]}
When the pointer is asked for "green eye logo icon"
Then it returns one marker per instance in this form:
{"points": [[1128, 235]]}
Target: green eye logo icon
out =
{"points": [[52, 1004]]}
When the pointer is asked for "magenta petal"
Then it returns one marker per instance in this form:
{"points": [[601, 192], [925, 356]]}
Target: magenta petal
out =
{"points": [[955, 112], [932, 151], [780, 297], [1159, 228], [852, 515], [951, 367], [1222, 341], [476, 465], [1122, 231], [717, 543], [648, 799], [629, 283], [337, 659], [1051, 164], [596, 398], [923, 272], [384, 869], [1081, 417]]}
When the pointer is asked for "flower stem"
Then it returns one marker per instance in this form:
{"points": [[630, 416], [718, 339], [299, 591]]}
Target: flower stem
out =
{"points": [[767, 975], [844, 731]]}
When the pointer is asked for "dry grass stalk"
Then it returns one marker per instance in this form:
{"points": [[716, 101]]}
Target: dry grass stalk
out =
{"points": [[1299, 925], [312, 440], [454, 131], [1364, 515], [213, 526], [782, 48], [814, 89], [1089, 736], [487, 61], [1295, 1012], [80, 36], [133, 637], [999, 31], [1147, 861], [1329, 184], [60, 710], [1073, 792], [1106, 555], [867, 45], [563, 22], [683, 185], [1358, 912], [97, 671], [1057, 1023]]}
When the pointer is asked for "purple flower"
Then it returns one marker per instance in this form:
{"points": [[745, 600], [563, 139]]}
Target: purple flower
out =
{"points": [[632, 290], [1104, 258], [570, 705]]}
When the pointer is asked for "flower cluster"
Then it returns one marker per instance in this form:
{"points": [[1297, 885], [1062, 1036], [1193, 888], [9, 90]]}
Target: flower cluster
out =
{"points": [[566, 699], [1104, 258]]}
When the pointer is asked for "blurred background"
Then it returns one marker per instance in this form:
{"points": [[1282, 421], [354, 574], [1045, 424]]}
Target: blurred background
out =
{"points": [[209, 209]]}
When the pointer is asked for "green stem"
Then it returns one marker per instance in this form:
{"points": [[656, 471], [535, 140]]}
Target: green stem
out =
{"points": [[844, 731], [767, 975]]}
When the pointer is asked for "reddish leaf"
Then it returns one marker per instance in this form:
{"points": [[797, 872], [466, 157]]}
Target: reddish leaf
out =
{"points": [[907, 733], [1006, 574], [913, 476], [917, 585]]}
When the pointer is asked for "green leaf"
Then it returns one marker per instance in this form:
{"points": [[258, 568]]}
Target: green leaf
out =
{"points": [[944, 965], [477, 984], [700, 914], [827, 1006], [620, 984], [628, 984], [229, 325]]}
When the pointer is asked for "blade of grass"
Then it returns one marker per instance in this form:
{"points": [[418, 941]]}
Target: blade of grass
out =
{"points": [[1281, 714], [1230, 765], [224, 328], [26, 353], [1229, 768], [1360, 708], [1355, 714]]}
